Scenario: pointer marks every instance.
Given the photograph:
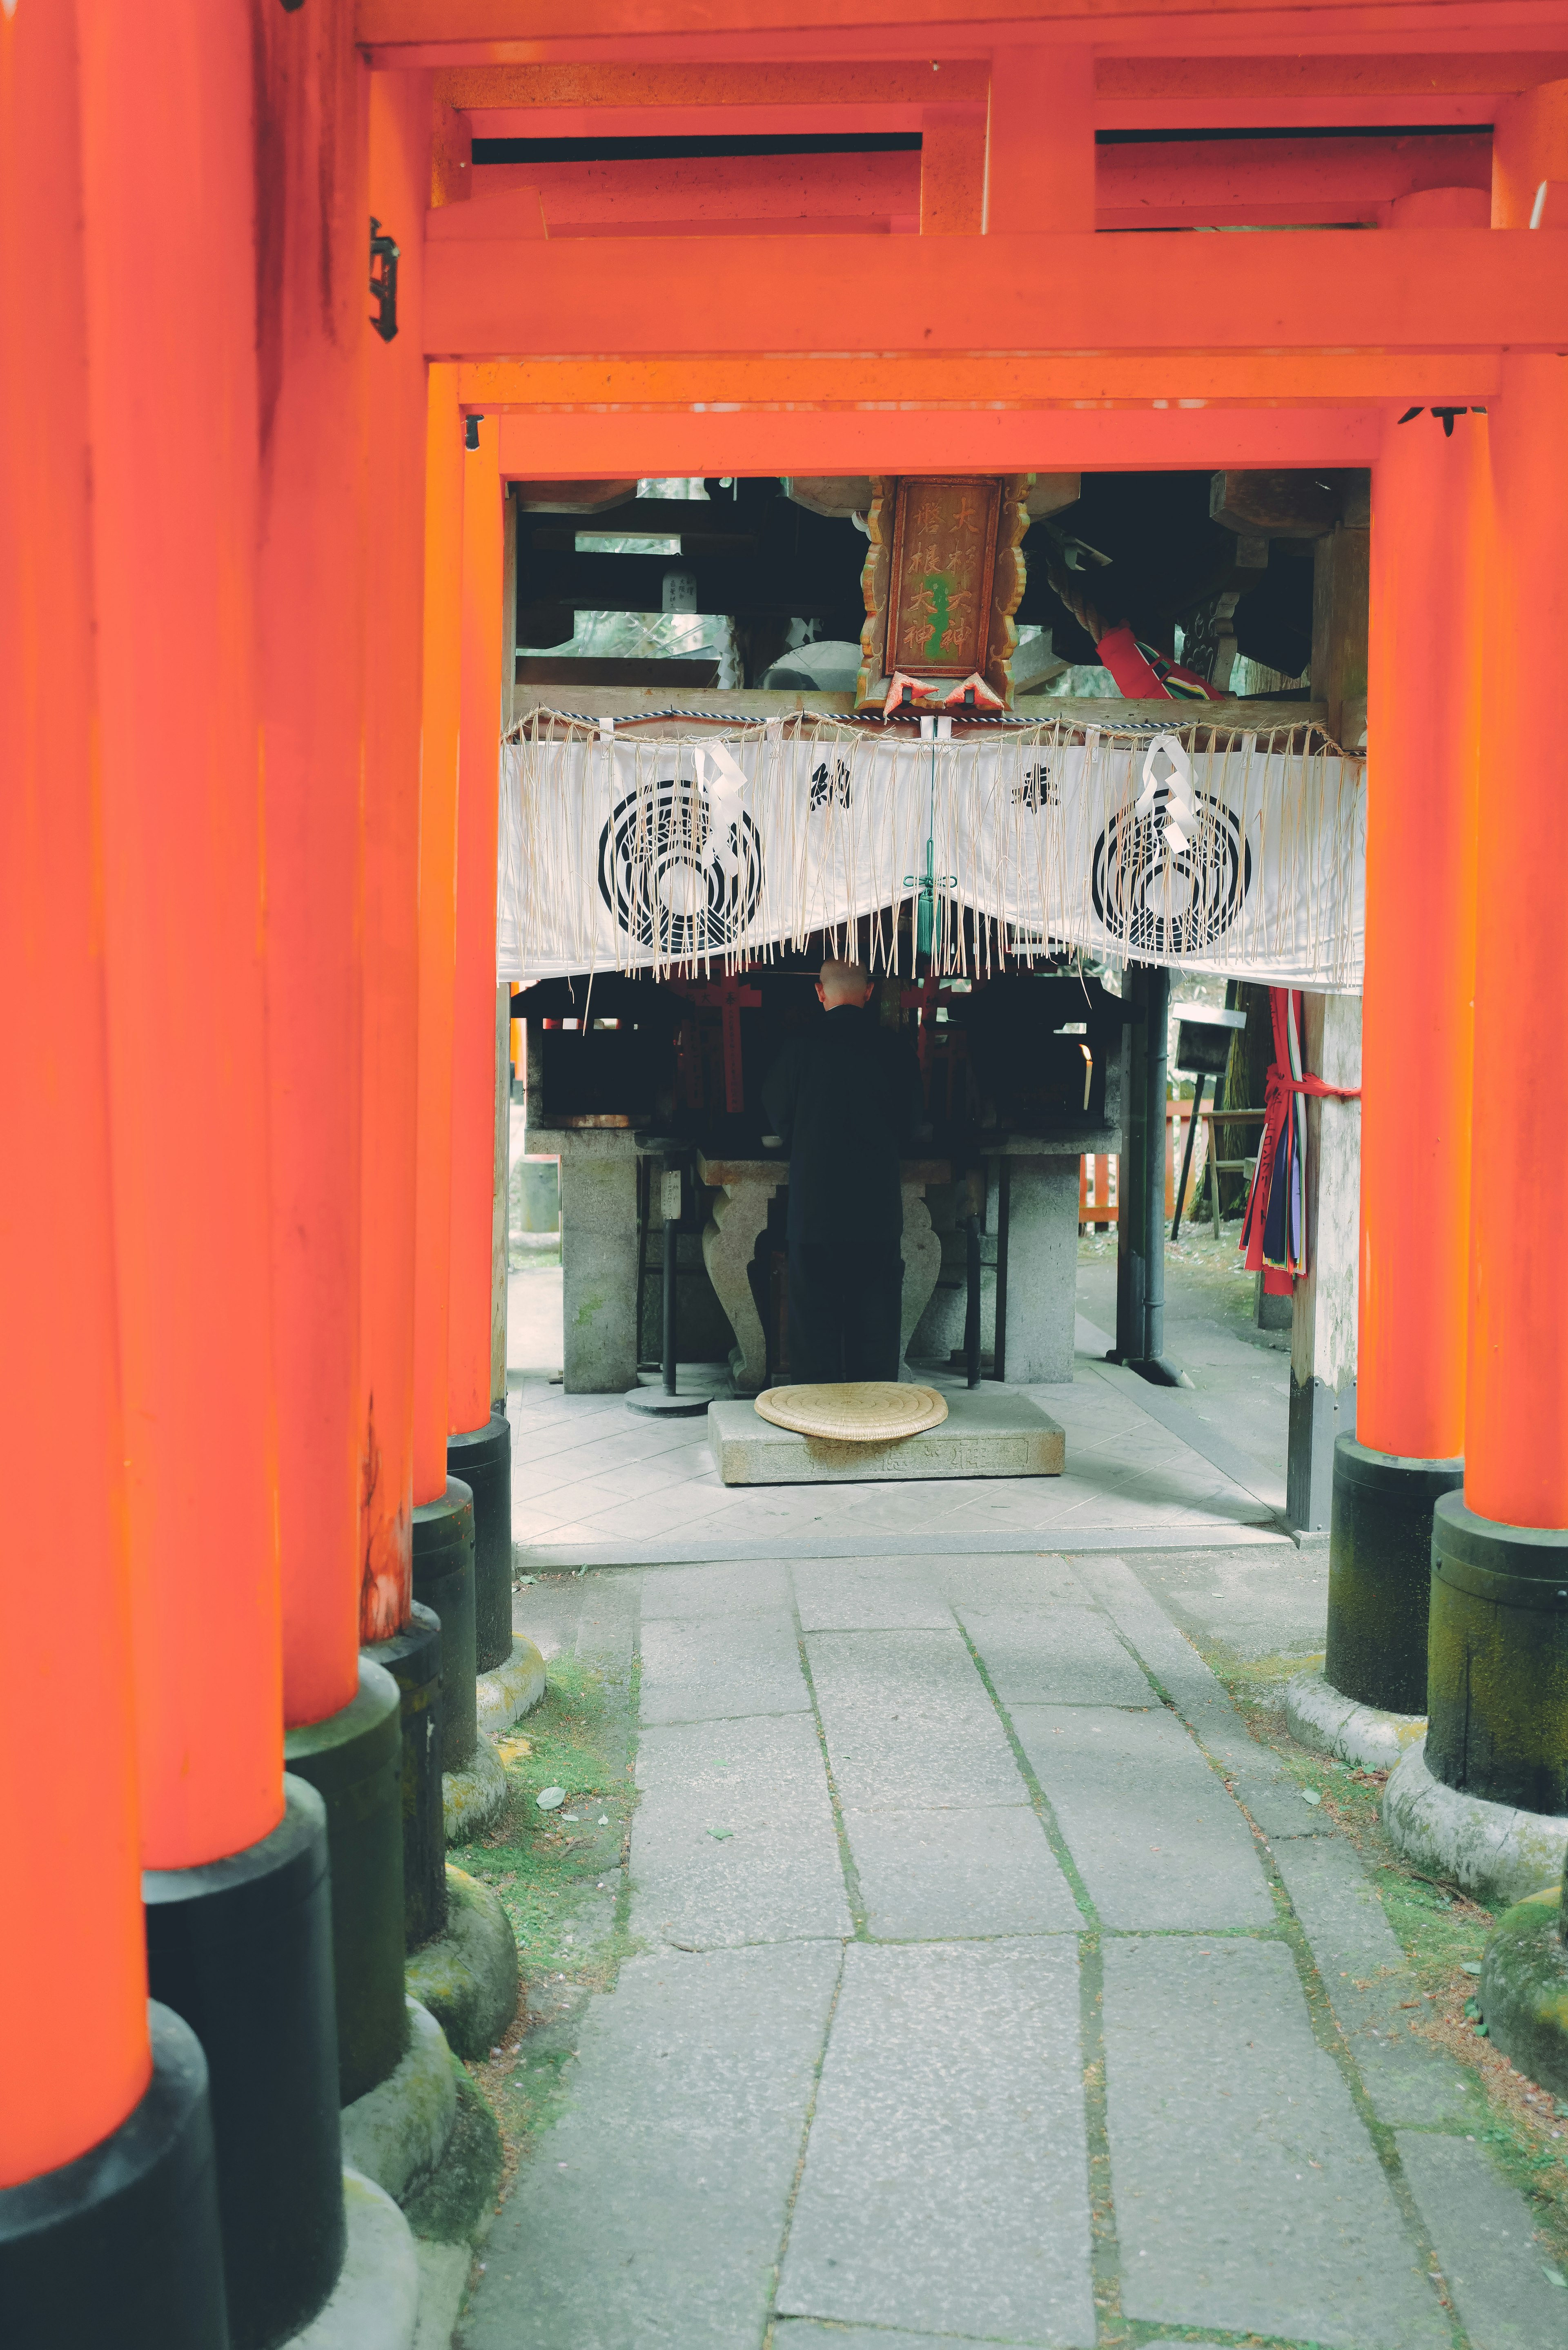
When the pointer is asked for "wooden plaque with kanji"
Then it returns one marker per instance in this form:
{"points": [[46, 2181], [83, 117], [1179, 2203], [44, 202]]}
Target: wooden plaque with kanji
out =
{"points": [[943, 578]]}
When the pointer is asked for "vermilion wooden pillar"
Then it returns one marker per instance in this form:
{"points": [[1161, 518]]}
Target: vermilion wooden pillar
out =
{"points": [[480, 1451], [310, 612], [169, 176], [404, 1637], [443, 1506], [1425, 715], [66, 2089], [1499, 1655], [398, 168], [444, 497], [473, 1033], [239, 1928]]}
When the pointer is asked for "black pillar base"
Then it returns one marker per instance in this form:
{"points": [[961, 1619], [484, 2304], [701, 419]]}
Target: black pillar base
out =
{"points": [[413, 1657], [443, 1581], [122, 2245], [481, 1459], [1498, 1709], [354, 1760], [1380, 1572], [242, 1948]]}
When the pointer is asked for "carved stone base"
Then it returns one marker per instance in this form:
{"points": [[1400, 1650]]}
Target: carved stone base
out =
{"points": [[729, 1243]]}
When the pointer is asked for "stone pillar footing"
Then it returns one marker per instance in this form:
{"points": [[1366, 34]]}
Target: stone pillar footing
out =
{"points": [[481, 1459], [468, 1977], [511, 1690], [1523, 1989], [443, 1582], [397, 2132], [122, 2245], [1368, 1736], [1497, 1680], [414, 1657], [354, 1760], [375, 2305], [1498, 1853], [1380, 1572], [473, 1799], [241, 1949]]}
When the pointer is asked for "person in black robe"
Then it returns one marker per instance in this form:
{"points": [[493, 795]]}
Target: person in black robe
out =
{"points": [[846, 1099]]}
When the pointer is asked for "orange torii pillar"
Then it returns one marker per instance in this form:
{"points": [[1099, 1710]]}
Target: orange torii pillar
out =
{"points": [[479, 1450], [1427, 607], [398, 1633], [314, 345], [239, 1926], [1499, 1660], [443, 1505], [108, 2219]]}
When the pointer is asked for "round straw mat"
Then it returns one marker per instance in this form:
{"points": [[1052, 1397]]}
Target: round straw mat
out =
{"points": [[855, 1411]]}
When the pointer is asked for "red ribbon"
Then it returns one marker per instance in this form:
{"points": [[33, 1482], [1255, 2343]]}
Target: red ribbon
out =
{"points": [[1278, 1089]]}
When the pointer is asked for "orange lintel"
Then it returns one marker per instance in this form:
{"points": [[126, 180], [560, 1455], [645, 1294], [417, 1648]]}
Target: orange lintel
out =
{"points": [[1461, 289], [621, 443], [982, 380]]}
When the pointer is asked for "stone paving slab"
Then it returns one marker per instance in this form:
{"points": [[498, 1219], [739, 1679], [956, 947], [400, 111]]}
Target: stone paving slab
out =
{"points": [[727, 1587], [1154, 1835], [1484, 2235], [884, 1596], [772, 1872], [728, 1667], [1035, 1583], [927, 1875], [1248, 2197], [673, 2161], [1364, 1972], [1070, 1658], [908, 1722], [946, 2178]]}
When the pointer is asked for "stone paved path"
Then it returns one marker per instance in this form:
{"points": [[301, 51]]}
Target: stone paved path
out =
{"points": [[994, 1987]]}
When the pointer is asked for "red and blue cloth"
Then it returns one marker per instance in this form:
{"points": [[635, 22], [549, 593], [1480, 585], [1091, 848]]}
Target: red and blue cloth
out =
{"points": [[1273, 1228]]}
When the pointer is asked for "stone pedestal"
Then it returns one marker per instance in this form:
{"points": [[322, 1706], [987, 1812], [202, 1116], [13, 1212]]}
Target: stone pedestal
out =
{"points": [[985, 1434], [745, 1189], [1033, 1192], [598, 1256]]}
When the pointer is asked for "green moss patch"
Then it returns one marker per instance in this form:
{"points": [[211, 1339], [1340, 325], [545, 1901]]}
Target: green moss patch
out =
{"points": [[455, 2204]]}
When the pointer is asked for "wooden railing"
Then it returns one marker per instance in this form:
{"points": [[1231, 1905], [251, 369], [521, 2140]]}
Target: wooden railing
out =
{"points": [[1099, 1190]]}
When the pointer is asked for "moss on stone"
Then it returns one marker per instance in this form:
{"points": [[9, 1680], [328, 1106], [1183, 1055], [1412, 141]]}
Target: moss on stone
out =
{"points": [[1524, 1995], [455, 2204], [467, 1976]]}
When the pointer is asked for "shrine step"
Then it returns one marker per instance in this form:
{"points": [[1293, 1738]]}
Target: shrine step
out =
{"points": [[987, 1433]]}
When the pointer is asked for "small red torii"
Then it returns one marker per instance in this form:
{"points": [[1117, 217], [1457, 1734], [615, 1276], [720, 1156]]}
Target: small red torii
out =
{"points": [[730, 997]]}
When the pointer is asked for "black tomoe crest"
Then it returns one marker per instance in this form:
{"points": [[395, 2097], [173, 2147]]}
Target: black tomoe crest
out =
{"points": [[681, 877], [1165, 903]]}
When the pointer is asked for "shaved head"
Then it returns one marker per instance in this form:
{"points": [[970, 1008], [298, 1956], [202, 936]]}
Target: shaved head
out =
{"points": [[844, 983]]}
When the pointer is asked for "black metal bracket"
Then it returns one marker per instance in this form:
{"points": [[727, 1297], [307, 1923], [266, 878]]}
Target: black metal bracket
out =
{"points": [[471, 432], [383, 281], [1446, 415]]}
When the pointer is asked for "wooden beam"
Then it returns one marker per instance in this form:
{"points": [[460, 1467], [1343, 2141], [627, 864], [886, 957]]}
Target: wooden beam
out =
{"points": [[1456, 289], [898, 86], [952, 170], [1153, 382], [608, 440]]}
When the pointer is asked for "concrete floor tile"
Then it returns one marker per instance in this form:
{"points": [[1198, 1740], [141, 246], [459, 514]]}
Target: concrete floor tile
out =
{"points": [[1068, 1657], [873, 1594], [946, 2180], [734, 1840], [1248, 2197], [909, 1723], [951, 1876], [652, 2215], [1156, 1838], [743, 1587], [1483, 2232], [713, 1671]]}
